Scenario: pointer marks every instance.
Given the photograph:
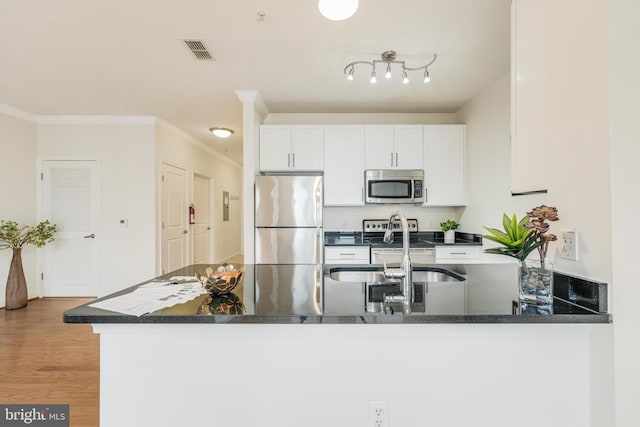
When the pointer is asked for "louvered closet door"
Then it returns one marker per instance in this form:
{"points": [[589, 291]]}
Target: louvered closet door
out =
{"points": [[71, 200]]}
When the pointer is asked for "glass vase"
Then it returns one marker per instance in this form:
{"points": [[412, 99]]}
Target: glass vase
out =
{"points": [[535, 287]]}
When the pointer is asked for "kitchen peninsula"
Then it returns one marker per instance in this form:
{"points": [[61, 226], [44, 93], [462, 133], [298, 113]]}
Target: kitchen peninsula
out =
{"points": [[186, 364]]}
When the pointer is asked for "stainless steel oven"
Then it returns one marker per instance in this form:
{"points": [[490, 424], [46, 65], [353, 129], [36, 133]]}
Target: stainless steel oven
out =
{"points": [[394, 186]]}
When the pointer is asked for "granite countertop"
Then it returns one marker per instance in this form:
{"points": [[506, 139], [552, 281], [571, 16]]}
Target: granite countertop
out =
{"points": [[285, 302]]}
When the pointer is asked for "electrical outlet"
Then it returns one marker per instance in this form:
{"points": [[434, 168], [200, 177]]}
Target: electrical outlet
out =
{"points": [[570, 245], [378, 413]]}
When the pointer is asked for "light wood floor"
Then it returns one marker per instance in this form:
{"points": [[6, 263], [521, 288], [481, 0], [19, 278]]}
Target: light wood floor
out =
{"points": [[46, 361]]}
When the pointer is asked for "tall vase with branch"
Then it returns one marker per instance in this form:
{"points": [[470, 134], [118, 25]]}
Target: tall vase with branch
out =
{"points": [[519, 239], [14, 236]]}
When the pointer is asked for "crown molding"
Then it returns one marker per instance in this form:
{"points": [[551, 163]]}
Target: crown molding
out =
{"points": [[143, 120], [15, 112], [254, 97], [197, 143]]}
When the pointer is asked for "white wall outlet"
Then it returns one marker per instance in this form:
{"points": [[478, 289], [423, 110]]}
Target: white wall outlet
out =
{"points": [[569, 248], [378, 416]]}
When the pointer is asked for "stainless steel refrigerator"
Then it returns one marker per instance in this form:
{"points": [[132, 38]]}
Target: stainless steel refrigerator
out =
{"points": [[288, 243]]}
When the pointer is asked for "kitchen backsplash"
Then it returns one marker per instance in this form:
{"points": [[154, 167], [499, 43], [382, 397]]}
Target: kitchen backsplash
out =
{"points": [[350, 218]]}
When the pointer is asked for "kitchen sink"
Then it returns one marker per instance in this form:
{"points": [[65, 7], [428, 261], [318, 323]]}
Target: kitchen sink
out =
{"points": [[375, 274], [361, 289]]}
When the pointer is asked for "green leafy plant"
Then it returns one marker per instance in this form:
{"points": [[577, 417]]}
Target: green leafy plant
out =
{"points": [[520, 238], [14, 235], [517, 240], [449, 225]]}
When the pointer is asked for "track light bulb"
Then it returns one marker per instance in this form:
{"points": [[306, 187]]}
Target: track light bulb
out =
{"points": [[350, 75], [427, 79], [373, 77], [387, 75], [405, 79]]}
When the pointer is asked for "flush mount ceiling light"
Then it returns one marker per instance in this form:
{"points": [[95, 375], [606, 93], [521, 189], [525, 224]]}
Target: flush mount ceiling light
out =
{"points": [[221, 132], [387, 58], [337, 10]]}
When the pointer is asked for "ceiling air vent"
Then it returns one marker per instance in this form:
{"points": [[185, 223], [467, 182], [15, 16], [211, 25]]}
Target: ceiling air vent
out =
{"points": [[199, 49]]}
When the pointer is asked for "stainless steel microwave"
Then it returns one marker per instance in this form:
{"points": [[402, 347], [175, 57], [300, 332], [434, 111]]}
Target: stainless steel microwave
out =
{"points": [[394, 186]]}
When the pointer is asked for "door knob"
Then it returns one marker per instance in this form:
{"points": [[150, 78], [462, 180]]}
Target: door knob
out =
{"points": [[90, 236], [185, 231]]}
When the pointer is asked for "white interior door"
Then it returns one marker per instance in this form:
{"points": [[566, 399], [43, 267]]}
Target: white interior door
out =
{"points": [[174, 218], [71, 200], [201, 229]]}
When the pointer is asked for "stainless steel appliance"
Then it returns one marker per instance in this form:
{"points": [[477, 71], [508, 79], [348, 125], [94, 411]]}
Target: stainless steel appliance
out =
{"points": [[421, 245], [394, 186], [288, 244]]}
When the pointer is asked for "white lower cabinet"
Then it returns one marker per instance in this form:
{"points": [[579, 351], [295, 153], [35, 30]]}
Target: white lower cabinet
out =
{"points": [[346, 254], [458, 254], [445, 298]]}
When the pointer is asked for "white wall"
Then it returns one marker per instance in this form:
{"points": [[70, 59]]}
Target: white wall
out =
{"points": [[625, 161], [125, 150], [175, 147], [320, 375], [578, 164], [18, 141], [578, 129], [254, 111], [489, 159]]}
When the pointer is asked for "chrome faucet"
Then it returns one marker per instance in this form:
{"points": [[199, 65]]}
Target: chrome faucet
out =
{"points": [[405, 271]]}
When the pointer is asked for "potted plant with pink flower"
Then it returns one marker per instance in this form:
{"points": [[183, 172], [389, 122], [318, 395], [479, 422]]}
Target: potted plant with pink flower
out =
{"points": [[519, 239]]}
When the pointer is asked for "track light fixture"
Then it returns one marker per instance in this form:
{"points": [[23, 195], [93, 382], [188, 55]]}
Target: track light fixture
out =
{"points": [[389, 57]]}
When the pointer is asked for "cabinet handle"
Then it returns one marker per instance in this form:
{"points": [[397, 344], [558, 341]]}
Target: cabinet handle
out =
{"points": [[347, 254], [90, 236], [362, 194], [396, 159], [293, 161], [288, 160], [458, 253], [391, 159]]}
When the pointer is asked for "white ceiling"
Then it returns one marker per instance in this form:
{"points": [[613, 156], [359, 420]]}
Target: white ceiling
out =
{"points": [[125, 57]]}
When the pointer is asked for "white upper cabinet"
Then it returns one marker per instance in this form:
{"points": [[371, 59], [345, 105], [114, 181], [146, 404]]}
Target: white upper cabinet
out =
{"points": [[528, 94], [291, 148], [344, 167], [393, 147], [445, 165]]}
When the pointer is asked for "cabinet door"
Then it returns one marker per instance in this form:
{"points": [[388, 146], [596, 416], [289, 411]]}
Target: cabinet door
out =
{"points": [[444, 165], [344, 165], [275, 147], [306, 148], [408, 147], [379, 150]]}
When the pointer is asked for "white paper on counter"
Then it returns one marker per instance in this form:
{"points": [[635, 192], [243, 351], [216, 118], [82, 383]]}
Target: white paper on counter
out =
{"points": [[147, 299]]}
